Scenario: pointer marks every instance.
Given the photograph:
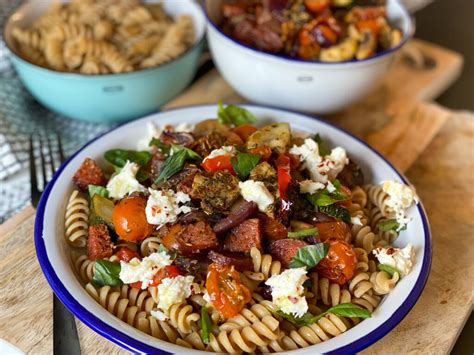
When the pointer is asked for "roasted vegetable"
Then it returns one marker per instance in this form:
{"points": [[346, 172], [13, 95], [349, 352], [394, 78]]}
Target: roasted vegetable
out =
{"points": [[267, 174], [206, 127], [101, 211], [277, 136]]}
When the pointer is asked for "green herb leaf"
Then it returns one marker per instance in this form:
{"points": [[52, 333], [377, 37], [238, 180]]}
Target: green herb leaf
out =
{"points": [[303, 233], [106, 273], [119, 157], [205, 325], [323, 150], [233, 114], [337, 184], [390, 269], [243, 164], [172, 253], [165, 148], [97, 190], [309, 256], [306, 319], [336, 211], [175, 161], [321, 198], [388, 225]]}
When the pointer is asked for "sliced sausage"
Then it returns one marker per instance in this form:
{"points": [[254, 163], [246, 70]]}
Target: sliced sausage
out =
{"points": [[195, 238], [89, 173], [284, 250], [271, 228], [240, 262], [246, 235], [99, 244]]}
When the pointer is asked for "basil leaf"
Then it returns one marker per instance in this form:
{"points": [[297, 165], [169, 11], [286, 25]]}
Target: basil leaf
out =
{"points": [[348, 310], [306, 319], [233, 114], [119, 157], [243, 164], [205, 325], [97, 190], [337, 211], [337, 184], [303, 233], [106, 273], [175, 161], [165, 148], [323, 150], [309, 256], [388, 225], [390, 269], [172, 253]]}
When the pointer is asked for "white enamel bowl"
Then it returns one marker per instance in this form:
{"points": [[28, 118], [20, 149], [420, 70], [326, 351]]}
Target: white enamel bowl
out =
{"points": [[53, 252], [296, 84]]}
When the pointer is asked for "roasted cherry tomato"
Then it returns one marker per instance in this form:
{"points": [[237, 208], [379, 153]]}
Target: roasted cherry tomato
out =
{"points": [[335, 229], [137, 285], [264, 151], [169, 271], [339, 264], [370, 24], [219, 163], [317, 6], [126, 254], [227, 293], [169, 240], [129, 219], [244, 131]]}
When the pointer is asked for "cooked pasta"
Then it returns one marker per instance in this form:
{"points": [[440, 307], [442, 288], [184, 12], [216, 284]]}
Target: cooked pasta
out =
{"points": [[199, 261], [76, 220], [102, 37]]}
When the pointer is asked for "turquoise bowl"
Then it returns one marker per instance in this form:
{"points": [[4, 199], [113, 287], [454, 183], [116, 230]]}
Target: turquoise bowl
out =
{"points": [[110, 97]]}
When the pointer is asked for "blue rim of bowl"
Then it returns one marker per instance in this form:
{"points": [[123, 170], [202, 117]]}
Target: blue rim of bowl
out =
{"points": [[136, 346], [406, 37], [196, 45]]}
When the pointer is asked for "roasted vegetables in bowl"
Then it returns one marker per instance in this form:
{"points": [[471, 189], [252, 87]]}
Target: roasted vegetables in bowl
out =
{"points": [[238, 234]]}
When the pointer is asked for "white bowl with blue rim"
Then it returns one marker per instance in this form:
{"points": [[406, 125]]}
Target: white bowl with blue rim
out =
{"points": [[53, 251], [109, 97], [296, 84]]}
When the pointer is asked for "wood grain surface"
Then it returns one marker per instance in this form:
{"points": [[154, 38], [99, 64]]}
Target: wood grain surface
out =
{"points": [[392, 119]]}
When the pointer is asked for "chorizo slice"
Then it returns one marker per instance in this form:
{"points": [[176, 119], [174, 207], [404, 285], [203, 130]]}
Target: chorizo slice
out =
{"points": [[245, 236], [284, 250], [99, 244], [89, 173]]}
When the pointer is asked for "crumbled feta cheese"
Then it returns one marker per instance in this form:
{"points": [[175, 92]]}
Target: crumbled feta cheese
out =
{"points": [[143, 270], [400, 197], [330, 187], [124, 182], [174, 291], [164, 206], [400, 259], [159, 315], [356, 220], [288, 290], [184, 127], [321, 169], [310, 187], [206, 297], [257, 192], [226, 150], [153, 131]]}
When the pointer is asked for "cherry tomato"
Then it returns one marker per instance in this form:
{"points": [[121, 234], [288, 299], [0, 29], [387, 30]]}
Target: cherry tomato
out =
{"points": [[219, 163], [129, 219], [369, 24], [126, 254], [137, 285], [169, 271], [339, 264], [317, 6], [264, 151], [244, 131], [284, 174], [335, 229], [227, 293]]}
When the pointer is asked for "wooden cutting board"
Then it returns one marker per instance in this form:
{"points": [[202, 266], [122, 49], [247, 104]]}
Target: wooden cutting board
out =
{"points": [[398, 121]]}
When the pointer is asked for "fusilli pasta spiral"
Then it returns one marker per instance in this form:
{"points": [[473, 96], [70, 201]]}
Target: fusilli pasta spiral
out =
{"points": [[76, 220]]}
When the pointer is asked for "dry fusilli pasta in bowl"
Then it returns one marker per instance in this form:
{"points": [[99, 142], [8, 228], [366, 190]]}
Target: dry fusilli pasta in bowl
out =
{"points": [[259, 231], [106, 60]]}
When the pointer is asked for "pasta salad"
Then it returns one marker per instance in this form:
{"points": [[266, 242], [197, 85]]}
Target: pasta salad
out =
{"points": [[225, 237]]}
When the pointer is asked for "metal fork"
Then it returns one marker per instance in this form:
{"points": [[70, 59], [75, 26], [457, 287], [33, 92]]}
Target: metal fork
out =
{"points": [[65, 338]]}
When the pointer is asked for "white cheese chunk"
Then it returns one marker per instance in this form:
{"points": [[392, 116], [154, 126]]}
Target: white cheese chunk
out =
{"points": [[288, 291], [400, 259], [356, 221], [125, 182], [257, 192], [153, 131], [165, 206], [143, 270], [174, 291], [225, 150], [310, 187], [330, 187], [400, 198]]}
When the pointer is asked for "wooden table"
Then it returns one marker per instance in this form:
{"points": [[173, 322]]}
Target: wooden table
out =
{"points": [[433, 145]]}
